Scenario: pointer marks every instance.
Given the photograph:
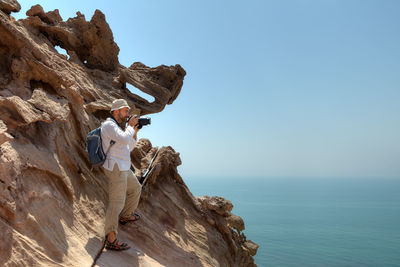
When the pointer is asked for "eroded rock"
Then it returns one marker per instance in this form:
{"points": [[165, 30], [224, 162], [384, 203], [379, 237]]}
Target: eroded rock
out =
{"points": [[9, 6], [4, 136], [252, 247], [220, 205], [235, 222]]}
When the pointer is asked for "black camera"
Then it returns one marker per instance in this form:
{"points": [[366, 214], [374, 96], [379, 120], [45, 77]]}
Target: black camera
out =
{"points": [[141, 121], [144, 121]]}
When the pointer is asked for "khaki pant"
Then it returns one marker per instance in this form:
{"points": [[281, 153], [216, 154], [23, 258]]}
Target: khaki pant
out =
{"points": [[123, 196]]}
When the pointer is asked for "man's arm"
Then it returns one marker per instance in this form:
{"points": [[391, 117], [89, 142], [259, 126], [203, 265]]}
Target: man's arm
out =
{"points": [[136, 131], [134, 122]]}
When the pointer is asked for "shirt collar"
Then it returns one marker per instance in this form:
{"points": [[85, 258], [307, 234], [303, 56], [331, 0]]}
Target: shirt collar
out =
{"points": [[112, 118]]}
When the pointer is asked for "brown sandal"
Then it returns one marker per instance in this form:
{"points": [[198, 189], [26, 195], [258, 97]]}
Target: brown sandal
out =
{"points": [[115, 245], [124, 220]]}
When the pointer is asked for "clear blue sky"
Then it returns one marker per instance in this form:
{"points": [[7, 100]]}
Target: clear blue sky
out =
{"points": [[273, 88]]}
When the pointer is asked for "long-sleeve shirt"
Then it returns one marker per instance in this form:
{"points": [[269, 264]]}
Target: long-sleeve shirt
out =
{"points": [[124, 143]]}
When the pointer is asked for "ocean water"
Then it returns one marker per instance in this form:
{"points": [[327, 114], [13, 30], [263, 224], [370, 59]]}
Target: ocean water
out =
{"points": [[314, 221]]}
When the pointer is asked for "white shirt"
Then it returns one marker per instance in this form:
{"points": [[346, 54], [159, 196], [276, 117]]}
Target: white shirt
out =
{"points": [[120, 152]]}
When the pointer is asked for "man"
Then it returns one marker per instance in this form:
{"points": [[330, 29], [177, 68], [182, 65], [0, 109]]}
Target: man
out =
{"points": [[124, 188]]}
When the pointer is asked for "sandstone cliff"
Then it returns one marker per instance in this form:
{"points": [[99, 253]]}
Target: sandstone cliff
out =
{"points": [[51, 204]]}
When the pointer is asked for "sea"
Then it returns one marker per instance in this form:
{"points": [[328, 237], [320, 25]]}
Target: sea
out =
{"points": [[318, 221]]}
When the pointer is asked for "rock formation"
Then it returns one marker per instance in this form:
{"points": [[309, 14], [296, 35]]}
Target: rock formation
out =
{"points": [[52, 204]]}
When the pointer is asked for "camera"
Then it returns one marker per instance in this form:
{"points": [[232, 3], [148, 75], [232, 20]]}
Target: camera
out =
{"points": [[141, 121], [144, 121]]}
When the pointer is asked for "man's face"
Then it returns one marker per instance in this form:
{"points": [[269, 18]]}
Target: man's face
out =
{"points": [[123, 114]]}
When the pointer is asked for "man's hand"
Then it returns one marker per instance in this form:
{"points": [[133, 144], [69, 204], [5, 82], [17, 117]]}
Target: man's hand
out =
{"points": [[133, 121]]}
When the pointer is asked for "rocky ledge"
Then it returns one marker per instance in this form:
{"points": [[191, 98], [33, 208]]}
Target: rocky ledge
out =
{"points": [[52, 204]]}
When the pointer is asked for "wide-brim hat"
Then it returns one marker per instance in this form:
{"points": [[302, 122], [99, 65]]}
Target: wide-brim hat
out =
{"points": [[118, 104]]}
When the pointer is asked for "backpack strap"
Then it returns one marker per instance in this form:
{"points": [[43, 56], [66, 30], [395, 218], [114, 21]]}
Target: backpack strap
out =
{"points": [[112, 142]]}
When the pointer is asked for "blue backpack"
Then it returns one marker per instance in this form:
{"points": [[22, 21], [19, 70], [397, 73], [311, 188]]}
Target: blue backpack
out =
{"points": [[94, 146]]}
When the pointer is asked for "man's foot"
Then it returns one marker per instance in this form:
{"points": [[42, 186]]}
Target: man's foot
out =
{"points": [[134, 217], [115, 245]]}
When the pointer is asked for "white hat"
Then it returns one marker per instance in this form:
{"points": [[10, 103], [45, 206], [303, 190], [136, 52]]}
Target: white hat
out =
{"points": [[118, 104]]}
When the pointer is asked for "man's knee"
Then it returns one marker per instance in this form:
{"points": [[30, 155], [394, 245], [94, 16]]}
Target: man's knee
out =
{"points": [[133, 183], [117, 196]]}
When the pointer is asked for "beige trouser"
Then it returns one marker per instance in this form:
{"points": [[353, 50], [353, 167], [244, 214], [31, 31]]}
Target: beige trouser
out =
{"points": [[123, 196]]}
